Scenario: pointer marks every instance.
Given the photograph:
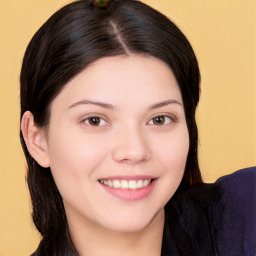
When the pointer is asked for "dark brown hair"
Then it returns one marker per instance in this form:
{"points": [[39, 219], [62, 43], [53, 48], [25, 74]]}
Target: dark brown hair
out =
{"points": [[70, 40]]}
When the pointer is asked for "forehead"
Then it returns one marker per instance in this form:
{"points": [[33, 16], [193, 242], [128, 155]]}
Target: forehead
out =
{"points": [[123, 79]]}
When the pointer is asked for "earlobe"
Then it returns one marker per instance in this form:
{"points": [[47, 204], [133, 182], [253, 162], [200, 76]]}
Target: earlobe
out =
{"points": [[35, 139]]}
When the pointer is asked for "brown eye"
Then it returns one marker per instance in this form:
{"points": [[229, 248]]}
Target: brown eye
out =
{"points": [[95, 121], [160, 120]]}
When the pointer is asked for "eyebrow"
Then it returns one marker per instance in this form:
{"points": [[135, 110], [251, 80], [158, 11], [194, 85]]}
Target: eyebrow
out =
{"points": [[111, 107], [101, 104], [165, 103]]}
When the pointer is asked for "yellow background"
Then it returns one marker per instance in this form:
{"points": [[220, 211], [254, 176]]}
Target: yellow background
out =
{"points": [[222, 33]]}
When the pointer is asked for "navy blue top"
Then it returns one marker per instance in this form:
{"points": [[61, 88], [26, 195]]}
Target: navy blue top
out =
{"points": [[213, 219], [234, 214]]}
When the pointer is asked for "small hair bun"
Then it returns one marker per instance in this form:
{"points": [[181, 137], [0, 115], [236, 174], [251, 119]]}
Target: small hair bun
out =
{"points": [[101, 3]]}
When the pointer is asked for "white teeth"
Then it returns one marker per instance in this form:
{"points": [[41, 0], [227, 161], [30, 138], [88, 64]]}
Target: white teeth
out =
{"points": [[124, 184], [140, 184], [109, 183], [145, 183], [132, 184], [116, 184]]}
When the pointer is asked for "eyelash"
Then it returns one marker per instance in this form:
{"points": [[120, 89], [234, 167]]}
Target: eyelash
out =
{"points": [[94, 117], [171, 119]]}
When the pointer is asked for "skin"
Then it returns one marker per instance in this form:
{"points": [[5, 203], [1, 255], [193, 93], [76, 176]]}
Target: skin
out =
{"points": [[126, 140]]}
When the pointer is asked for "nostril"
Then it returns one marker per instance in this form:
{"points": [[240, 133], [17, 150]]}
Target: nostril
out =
{"points": [[129, 154]]}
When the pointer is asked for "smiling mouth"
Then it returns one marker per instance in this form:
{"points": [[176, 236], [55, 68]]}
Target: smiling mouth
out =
{"points": [[126, 184]]}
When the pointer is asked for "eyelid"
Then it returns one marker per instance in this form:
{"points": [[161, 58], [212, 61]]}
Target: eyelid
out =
{"points": [[171, 116], [97, 115]]}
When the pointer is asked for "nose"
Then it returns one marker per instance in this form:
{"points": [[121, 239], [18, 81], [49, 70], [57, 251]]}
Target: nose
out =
{"points": [[131, 146]]}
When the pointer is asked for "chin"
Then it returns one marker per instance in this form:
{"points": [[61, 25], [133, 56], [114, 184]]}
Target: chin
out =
{"points": [[134, 223], [129, 227]]}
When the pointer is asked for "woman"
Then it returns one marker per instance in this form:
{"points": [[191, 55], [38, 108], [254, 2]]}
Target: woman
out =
{"points": [[109, 91]]}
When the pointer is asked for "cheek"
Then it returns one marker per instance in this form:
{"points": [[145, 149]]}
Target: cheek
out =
{"points": [[73, 159], [172, 149], [169, 152], [172, 157]]}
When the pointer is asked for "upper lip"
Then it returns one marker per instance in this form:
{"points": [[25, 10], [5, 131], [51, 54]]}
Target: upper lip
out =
{"points": [[125, 177]]}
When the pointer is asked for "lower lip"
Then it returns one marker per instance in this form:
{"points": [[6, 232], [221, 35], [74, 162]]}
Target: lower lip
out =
{"points": [[130, 194]]}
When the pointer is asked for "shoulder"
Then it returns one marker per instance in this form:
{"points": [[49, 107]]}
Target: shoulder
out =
{"points": [[238, 190], [244, 179], [214, 219], [233, 213]]}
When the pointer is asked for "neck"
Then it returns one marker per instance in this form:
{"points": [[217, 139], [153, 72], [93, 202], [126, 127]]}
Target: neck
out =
{"points": [[92, 240]]}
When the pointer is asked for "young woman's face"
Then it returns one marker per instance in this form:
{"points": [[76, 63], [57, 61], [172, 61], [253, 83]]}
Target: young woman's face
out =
{"points": [[118, 142]]}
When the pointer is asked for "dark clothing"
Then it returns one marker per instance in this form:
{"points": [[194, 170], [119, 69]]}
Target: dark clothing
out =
{"points": [[213, 219], [217, 219]]}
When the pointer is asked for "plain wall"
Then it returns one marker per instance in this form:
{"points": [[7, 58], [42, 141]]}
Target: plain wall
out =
{"points": [[222, 33]]}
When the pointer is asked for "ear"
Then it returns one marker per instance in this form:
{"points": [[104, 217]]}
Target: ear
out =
{"points": [[35, 139]]}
